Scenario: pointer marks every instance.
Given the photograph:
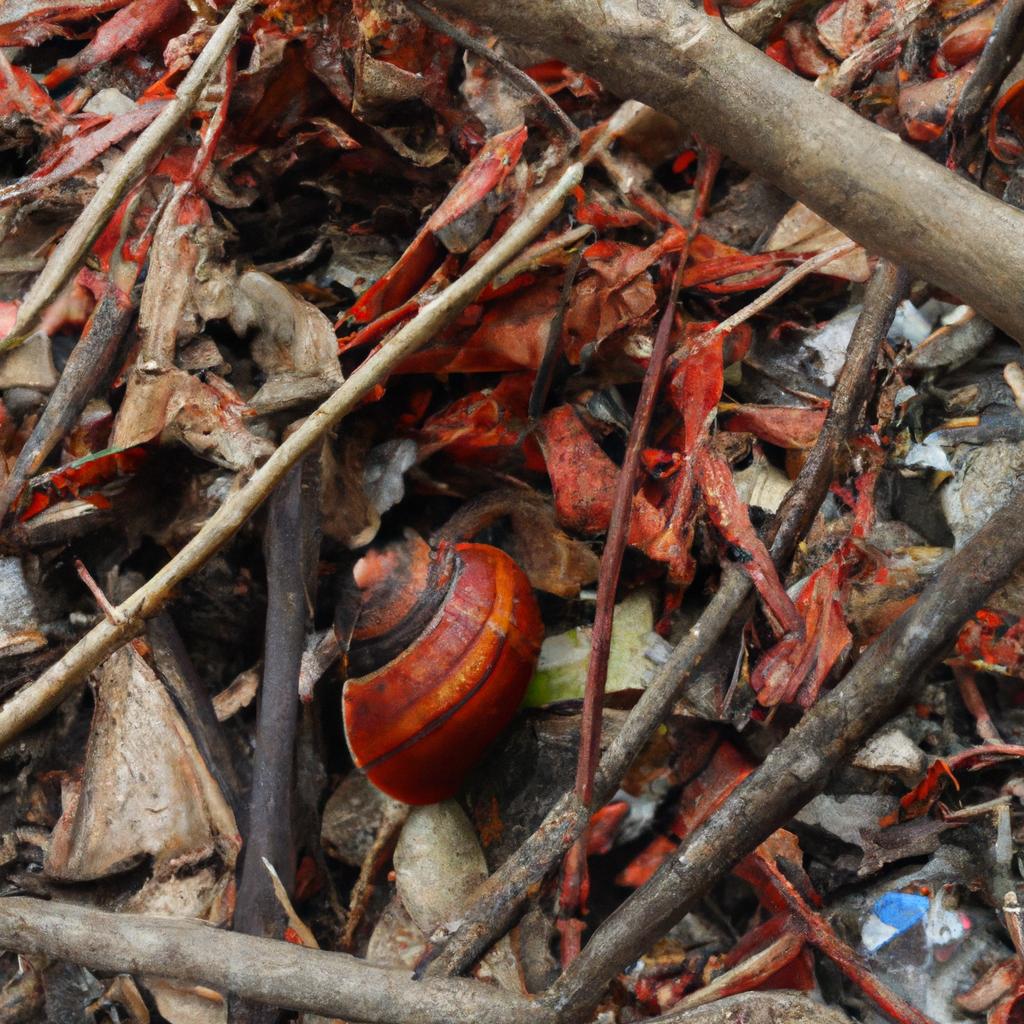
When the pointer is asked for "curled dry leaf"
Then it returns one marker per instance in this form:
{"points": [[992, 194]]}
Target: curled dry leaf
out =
{"points": [[205, 415], [144, 789], [293, 343]]}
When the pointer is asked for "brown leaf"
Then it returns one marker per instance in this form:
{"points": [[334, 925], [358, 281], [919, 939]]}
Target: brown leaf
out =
{"points": [[144, 791]]}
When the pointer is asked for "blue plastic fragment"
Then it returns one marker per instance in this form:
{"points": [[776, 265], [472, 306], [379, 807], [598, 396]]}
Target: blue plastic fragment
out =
{"points": [[901, 910]]}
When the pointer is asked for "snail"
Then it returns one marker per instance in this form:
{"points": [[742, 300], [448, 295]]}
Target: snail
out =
{"points": [[443, 648]]}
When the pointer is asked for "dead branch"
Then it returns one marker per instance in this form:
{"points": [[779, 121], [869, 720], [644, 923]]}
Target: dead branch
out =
{"points": [[264, 970], [881, 683], [892, 199], [34, 701], [76, 242], [501, 897]]}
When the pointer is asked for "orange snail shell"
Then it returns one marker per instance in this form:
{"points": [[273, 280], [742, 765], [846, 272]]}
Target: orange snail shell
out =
{"points": [[468, 622]]}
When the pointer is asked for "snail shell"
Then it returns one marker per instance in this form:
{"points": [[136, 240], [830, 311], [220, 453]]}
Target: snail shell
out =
{"points": [[448, 641]]}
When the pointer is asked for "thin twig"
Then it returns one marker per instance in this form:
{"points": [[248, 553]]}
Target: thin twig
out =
{"points": [[264, 970], [883, 680], [553, 113], [194, 703], [501, 897], [268, 834], [574, 872], [34, 701], [785, 284], [88, 363], [553, 349], [80, 236]]}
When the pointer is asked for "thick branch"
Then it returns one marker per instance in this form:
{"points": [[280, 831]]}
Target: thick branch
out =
{"points": [[264, 970], [864, 180], [880, 684]]}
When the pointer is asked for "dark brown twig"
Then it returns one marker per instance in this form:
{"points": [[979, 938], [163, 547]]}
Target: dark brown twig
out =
{"points": [[269, 830], [89, 362], [501, 897], [552, 112], [268, 836], [553, 348], [881, 683], [264, 970]]}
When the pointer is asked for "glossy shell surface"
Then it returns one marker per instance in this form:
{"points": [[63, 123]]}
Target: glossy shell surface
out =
{"points": [[419, 723]]}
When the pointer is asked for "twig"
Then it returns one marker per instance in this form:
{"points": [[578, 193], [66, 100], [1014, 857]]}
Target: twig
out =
{"points": [[32, 702], [967, 683], [884, 293], [86, 366], [785, 284], [377, 856], [80, 236], [264, 970], [501, 897], [885, 678], [692, 67], [552, 112], [553, 349], [268, 832], [574, 872]]}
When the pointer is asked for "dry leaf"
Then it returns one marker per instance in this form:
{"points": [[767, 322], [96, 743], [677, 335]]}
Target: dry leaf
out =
{"points": [[144, 790], [294, 343]]}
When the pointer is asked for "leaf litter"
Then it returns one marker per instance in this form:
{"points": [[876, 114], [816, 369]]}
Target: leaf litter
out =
{"points": [[347, 163]]}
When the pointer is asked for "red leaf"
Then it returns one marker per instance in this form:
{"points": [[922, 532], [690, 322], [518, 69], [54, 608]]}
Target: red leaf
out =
{"points": [[731, 518], [82, 149], [482, 176], [127, 30], [788, 427]]}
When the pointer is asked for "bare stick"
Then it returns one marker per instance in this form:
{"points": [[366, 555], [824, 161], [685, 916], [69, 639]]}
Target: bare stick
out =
{"points": [[264, 970], [269, 841], [501, 897], [32, 702], [75, 244], [574, 872], [886, 677], [866, 181]]}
